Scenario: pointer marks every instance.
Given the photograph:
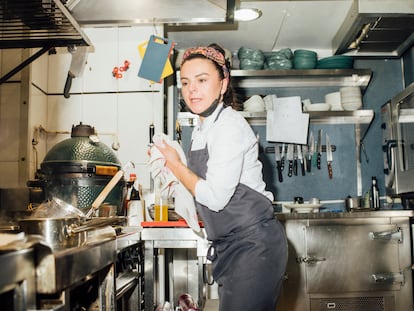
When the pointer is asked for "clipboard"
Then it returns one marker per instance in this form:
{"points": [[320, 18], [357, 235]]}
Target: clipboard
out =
{"points": [[155, 58]]}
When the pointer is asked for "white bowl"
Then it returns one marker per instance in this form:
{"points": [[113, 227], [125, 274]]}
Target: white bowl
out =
{"points": [[350, 91], [337, 107], [333, 98], [351, 106], [317, 107], [254, 104]]}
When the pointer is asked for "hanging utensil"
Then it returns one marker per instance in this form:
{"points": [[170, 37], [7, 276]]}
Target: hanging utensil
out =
{"points": [[278, 163], [311, 150], [289, 157], [77, 65], [295, 160], [319, 150], [300, 158], [282, 157], [151, 135], [102, 196], [329, 157]]}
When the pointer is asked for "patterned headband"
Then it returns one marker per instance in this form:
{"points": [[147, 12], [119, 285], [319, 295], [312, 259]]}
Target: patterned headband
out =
{"points": [[210, 53]]}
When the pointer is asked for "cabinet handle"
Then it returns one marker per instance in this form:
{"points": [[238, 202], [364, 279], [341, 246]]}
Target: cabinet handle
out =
{"points": [[310, 260], [394, 235], [389, 278]]}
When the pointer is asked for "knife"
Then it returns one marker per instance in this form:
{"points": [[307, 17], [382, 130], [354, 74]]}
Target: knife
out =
{"points": [[311, 150], [282, 157], [329, 157], [300, 158], [289, 156], [295, 161], [304, 151], [278, 159], [319, 150]]}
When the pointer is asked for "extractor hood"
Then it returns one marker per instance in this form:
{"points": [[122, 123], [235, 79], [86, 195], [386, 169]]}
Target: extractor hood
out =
{"points": [[130, 12], [38, 23], [383, 28]]}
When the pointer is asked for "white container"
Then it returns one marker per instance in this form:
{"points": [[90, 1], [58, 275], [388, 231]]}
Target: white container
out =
{"points": [[334, 99], [135, 213]]}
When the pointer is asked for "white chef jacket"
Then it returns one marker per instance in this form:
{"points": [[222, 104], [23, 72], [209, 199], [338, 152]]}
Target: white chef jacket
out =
{"points": [[233, 158]]}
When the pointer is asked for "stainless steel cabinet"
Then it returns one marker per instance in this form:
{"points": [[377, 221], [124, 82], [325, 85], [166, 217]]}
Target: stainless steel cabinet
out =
{"points": [[348, 261]]}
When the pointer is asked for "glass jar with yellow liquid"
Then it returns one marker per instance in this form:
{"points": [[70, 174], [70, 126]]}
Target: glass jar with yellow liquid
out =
{"points": [[160, 205], [161, 209]]}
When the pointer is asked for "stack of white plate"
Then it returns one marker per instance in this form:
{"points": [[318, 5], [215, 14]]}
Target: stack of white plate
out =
{"points": [[317, 107], [351, 97], [334, 99]]}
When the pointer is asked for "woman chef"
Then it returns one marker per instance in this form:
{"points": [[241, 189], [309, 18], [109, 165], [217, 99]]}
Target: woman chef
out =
{"points": [[249, 248]]}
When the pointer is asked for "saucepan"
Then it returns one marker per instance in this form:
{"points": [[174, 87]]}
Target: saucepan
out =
{"points": [[62, 225]]}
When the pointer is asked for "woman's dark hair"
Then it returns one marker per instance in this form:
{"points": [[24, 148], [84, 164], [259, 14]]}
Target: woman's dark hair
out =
{"points": [[228, 96]]}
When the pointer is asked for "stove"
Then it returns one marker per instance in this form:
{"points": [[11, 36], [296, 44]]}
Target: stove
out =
{"points": [[17, 281]]}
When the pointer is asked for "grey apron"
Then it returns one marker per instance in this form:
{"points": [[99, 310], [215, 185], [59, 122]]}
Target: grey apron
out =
{"points": [[249, 246]]}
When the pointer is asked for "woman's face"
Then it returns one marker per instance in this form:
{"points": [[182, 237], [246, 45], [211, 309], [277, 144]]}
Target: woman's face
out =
{"points": [[201, 84]]}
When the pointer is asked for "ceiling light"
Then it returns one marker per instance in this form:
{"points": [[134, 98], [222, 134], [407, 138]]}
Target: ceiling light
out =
{"points": [[245, 15]]}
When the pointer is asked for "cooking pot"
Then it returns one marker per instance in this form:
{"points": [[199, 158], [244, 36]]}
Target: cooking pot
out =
{"points": [[62, 225], [54, 231], [78, 168], [65, 232]]}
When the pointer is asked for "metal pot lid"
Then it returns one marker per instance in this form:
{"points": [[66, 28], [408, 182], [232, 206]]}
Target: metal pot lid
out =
{"points": [[82, 148], [56, 209]]}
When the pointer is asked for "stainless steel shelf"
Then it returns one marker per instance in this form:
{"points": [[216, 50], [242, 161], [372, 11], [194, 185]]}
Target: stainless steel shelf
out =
{"points": [[320, 117], [301, 78]]}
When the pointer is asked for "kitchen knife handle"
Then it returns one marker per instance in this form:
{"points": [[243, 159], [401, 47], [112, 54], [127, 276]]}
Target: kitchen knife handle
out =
{"points": [[318, 161], [302, 166], [290, 171], [330, 170], [68, 85], [279, 171], [309, 164], [151, 132], [282, 164], [295, 167]]}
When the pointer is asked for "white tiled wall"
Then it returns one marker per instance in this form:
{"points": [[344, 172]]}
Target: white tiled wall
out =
{"points": [[10, 110], [121, 110]]}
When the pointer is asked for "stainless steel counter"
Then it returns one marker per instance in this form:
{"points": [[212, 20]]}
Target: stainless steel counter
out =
{"points": [[185, 253], [341, 237], [17, 281], [348, 260], [346, 215]]}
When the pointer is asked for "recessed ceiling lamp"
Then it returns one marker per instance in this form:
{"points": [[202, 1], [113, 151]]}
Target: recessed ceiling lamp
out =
{"points": [[246, 15]]}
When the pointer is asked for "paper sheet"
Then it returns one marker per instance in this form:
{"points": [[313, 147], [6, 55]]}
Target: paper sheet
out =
{"points": [[286, 123]]}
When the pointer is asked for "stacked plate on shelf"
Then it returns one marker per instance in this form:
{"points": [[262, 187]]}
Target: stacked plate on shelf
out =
{"points": [[277, 60], [304, 59], [334, 99], [351, 97], [250, 59], [336, 62]]}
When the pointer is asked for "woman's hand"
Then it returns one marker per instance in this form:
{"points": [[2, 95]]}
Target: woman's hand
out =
{"points": [[177, 167], [172, 158]]}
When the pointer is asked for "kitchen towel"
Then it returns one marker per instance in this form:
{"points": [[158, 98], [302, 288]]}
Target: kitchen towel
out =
{"points": [[171, 186]]}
